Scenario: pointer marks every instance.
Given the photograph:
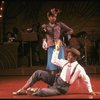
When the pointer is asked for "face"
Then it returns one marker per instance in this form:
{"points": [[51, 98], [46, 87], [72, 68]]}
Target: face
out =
{"points": [[70, 57], [52, 19]]}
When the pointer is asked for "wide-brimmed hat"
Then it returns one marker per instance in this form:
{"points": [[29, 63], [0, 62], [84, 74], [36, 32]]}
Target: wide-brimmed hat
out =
{"points": [[75, 51]]}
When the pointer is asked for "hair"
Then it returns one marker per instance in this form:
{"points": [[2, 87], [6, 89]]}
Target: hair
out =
{"points": [[50, 14], [53, 12], [74, 55]]}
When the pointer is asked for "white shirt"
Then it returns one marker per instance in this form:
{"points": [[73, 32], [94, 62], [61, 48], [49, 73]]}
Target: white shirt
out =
{"points": [[79, 72]]}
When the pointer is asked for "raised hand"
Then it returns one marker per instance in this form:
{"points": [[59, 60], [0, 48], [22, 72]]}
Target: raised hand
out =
{"points": [[58, 43]]}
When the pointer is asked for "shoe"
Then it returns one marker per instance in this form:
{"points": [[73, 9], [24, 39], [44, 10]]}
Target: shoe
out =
{"points": [[31, 90], [20, 92], [37, 92]]}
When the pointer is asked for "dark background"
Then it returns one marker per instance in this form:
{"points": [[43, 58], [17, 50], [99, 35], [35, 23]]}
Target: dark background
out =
{"points": [[81, 15], [18, 15]]}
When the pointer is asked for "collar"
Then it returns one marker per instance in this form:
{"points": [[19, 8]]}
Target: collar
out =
{"points": [[74, 63]]}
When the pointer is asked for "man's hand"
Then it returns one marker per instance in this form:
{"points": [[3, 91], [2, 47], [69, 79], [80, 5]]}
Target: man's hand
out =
{"points": [[58, 43], [94, 93]]}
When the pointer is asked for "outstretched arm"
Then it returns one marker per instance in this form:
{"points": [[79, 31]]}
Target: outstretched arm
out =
{"points": [[87, 82]]}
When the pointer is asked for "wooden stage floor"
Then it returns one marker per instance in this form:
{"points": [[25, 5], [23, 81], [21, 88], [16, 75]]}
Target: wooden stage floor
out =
{"points": [[8, 84]]}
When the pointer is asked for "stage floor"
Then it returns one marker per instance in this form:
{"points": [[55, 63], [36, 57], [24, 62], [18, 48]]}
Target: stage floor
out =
{"points": [[8, 84]]}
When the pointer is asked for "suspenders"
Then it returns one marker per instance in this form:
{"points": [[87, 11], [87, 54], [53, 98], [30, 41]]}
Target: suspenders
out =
{"points": [[65, 64], [73, 70]]}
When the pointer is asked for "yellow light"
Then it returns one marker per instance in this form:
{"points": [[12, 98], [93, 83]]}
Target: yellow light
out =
{"points": [[1, 8], [2, 1], [0, 16]]}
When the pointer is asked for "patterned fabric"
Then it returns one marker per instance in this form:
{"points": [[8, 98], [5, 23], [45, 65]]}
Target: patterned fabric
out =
{"points": [[55, 32]]}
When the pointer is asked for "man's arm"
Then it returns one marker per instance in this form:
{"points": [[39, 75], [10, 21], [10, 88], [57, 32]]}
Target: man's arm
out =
{"points": [[54, 59], [86, 81]]}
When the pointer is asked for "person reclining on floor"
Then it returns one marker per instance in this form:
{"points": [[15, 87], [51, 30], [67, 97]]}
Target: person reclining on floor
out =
{"points": [[58, 85]]}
